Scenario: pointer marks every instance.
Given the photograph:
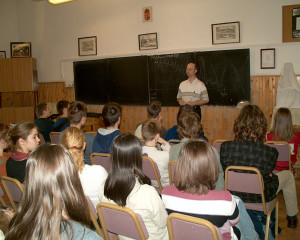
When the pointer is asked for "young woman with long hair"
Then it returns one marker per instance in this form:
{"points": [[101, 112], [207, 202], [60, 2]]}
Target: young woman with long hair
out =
{"points": [[128, 186], [53, 205]]}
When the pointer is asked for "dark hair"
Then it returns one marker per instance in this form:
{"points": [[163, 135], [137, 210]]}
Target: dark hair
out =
{"points": [[197, 169], [61, 105], [250, 124], [76, 111], [153, 109], [150, 129], [126, 166], [53, 194], [111, 113], [184, 108], [189, 126], [40, 108], [282, 128]]}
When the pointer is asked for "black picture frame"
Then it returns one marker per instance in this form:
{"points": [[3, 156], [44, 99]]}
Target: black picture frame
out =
{"points": [[87, 46], [148, 41], [224, 33], [267, 58]]}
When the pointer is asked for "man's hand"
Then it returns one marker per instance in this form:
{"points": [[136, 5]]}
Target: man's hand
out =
{"points": [[181, 102]]}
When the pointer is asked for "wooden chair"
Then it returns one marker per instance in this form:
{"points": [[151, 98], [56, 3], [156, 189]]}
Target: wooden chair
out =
{"points": [[284, 151], [102, 159], [217, 144], [142, 140], [3, 204], [171, 169], [251, 182], [173, 141], [186, 227], [13, 189], [94, 216], [54, 137], [41, 137], [151, 170], [119, 220]]}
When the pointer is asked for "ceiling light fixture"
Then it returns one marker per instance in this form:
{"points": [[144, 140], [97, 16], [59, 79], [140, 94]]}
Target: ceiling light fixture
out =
{"points": [[58, 1]]}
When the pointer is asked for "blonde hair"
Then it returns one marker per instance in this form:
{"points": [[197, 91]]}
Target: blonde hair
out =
{"points": [[73, 140]]}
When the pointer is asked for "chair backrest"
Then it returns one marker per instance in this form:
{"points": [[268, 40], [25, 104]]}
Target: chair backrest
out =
{"points": [[121, 221], [284, 151], [142, 140], [41, 137], [151, 170], [1, 197], [92, 133], [13, 189], [249, 180], [173, 141], [54, 137], [102, 159], [171, 169], [217, 144], [186, 227], [94, 216]]}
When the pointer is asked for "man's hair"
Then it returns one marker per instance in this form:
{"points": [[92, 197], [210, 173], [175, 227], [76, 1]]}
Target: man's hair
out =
{"points": [[189, 126], [76, 111], [40, 108], [61, 105], [111, 113], [250, 124], [150, 129], [153, 109], [183, 109]]}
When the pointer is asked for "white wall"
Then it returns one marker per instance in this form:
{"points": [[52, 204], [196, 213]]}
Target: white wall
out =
{"points": [[181, 26]]}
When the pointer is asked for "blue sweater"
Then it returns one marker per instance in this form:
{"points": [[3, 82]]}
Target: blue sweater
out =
{"points": [[102, 141]]}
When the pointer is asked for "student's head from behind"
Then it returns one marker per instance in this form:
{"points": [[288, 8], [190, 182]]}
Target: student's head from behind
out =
{"points": [[282, 128], [197, 169], [191, 69], [73, 140], [111, 114], [250, 124], [62, 107], [189, 126], [4, 141], [183, 109], [126, 166], [23, 137], [42, 110], [77, 113], [150, 130], [154, 110], [53, 193]]}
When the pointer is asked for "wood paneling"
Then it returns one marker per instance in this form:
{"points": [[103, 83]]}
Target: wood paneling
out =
{"points": [[54, 92], [18, 99], [16, 114]]}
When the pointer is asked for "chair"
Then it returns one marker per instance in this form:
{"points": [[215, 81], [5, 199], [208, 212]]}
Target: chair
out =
{"points": [[171, 169], [121, 221], [284, 151], [41, 137], [217, 144], [151, 170], [54, 137], [94, 216], [142, 140], [251, 183], [3, 204], [93, 133], [173, 141], [186, 227], [102, 159], [13, 189]]}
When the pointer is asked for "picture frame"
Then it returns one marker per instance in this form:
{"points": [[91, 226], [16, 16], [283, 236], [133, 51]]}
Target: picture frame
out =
{"points": [[291, 23], [148, 41], [147, 14], [267, 58], [87, 46], [2, 54], [223, 33], [20, 49]]}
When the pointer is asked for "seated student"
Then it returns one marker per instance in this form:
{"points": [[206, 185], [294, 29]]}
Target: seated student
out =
{"points": [[62, 122], [111, 114], [282, 130], [248, 149], [128, 186], [91, 177], [53, 205], [172, 132], [193, 194], [77, 116], [150, 132], [3, 155], [5, 216], [22, 138], [43, 122], [154, 113]]}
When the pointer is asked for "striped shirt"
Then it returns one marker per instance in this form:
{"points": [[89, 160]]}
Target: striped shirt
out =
{"points": [[192, 91]]}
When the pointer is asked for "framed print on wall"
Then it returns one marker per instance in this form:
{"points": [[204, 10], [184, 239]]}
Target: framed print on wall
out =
{"points": [[2, 54], [20, 49], [87, 46], [225, 33], [148, 41], [267, 58]]}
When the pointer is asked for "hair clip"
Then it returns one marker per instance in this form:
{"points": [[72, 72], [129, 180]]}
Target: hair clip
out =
{"points": [[74, 147]]}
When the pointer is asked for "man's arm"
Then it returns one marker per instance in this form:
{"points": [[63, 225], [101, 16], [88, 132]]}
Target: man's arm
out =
{"points": [[180, 101], [196, 103]]}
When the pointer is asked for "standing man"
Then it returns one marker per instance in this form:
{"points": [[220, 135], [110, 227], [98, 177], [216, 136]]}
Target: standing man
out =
{"points": [[192, 91]]}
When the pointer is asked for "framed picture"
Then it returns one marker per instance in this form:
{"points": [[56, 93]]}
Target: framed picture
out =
{"points": [[225, 33], [2, 54], [291, 23], [20, 49], [87, 46], [147, 14], [148, 41], [267, 58]]}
